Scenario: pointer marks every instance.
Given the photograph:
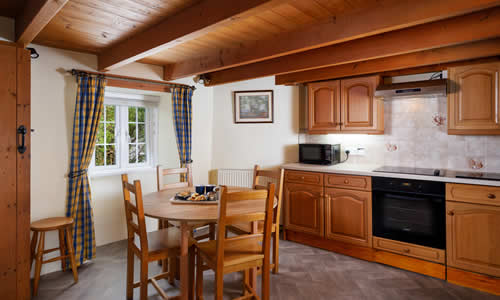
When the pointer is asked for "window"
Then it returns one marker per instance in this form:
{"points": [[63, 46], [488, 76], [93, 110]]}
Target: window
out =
{"points": [[126, 135]]}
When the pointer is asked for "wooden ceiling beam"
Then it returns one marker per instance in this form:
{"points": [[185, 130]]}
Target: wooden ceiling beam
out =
{"points": [[192, 22], [463, 29], [35, 15], [474, 50], [387, 16]]}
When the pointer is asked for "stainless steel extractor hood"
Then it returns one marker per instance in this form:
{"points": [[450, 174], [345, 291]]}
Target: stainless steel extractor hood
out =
{"points": [[426, 88]]}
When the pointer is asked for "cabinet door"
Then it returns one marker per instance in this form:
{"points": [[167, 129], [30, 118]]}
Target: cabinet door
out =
{"points": [[349, 216], [304, 208], [473, 105], [473, 237], [361, 112], [324, 106]]}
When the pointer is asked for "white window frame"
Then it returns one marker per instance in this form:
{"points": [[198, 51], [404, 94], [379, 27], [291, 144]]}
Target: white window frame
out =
{"points": [[123, 102]]}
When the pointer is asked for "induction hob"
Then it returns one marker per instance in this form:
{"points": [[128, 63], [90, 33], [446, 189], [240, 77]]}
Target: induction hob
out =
{"points": [[409, 170], [478, 175]]}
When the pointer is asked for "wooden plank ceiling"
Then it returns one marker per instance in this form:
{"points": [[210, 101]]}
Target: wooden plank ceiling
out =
{"points": [[249, 38]]}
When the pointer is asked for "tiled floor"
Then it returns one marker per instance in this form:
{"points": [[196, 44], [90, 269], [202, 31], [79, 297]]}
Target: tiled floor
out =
{"points": [[305, 273]]}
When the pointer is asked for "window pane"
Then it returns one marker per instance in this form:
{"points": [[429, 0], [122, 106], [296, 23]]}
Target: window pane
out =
{"points": [[141, 153], [141, 111], [100, 134], [142, 133], [132, 132], [131, 114], [110, 155], [102, 116], [110, 133], [131, 154], [110, 113], [99, 155]]}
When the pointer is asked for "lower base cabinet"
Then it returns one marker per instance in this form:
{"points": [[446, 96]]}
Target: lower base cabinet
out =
{"points": [[348, 216], [473, 237], [304, 208]]}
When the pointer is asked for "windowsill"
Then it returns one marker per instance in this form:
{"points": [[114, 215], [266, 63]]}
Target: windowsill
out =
{"points": [[114, 172]]}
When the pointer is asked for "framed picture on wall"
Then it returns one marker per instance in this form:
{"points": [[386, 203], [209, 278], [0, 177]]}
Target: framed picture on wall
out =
{"points": [[253, 107]]}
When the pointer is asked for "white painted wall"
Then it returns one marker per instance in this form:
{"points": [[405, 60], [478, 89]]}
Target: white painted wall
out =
{"points": [[53, 100], [244, 145]]}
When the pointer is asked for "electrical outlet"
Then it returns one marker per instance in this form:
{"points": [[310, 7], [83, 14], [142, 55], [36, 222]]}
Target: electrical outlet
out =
{"points": [[356, 150]]}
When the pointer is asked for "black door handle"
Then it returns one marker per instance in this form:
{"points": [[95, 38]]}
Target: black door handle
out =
{"points": [[22, 131]]}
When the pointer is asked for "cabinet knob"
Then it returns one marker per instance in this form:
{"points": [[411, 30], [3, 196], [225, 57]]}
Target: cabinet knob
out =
{"points": [[491, 196], [302, 177], [451, 213], [406, 250], [346, 181]]}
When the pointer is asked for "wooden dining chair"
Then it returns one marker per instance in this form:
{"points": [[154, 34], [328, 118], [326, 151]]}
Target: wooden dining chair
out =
{"points": [[187, 171], [148, 247], [240, 253], [260, 178]]}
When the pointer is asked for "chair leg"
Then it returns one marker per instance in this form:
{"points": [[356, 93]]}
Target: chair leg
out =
{"points": [[144, 279], [246, 281], [219, 284], [33, 247], [199, 277], [38, 262], [276, 251], [71, 253], [130, 273], [172, 267], [265, 280], [62, 249], [161, 225]]}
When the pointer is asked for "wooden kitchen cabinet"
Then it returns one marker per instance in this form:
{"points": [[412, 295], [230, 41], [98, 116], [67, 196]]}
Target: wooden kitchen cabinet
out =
{"points": [[324, 106], [345, 106], [361, 111], [348, 216], [472, 233], [304, 208], [473, 99]]}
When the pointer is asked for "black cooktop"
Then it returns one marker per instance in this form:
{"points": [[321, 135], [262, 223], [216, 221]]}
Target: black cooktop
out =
{"points": [[478, 175], [408, 170]]}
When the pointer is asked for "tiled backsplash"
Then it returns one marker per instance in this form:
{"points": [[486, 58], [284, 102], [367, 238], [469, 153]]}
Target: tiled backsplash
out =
{"points": [[416, 136]]}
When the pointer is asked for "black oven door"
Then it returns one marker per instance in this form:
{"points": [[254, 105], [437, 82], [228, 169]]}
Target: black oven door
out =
{"points": [[416, 219]]}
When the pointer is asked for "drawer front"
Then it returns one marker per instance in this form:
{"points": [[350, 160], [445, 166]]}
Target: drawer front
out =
{"points": [[363, 183], [304, 177], [426, 253], [479, 194]]}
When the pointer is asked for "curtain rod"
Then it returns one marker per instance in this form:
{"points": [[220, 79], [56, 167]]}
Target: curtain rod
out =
{"points": [[128, 78]]}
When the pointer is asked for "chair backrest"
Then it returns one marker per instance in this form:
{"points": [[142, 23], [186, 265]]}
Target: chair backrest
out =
{"points": [[135, 228], [266, 214], [161, 172], [260, 180]]}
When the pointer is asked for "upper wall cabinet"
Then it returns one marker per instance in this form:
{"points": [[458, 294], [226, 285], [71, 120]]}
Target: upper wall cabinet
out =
{"points": [[324, 106], [345, 106], [473, 100], [361, 112]]}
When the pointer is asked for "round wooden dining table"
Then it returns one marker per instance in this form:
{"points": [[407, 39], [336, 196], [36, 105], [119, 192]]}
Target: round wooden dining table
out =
{"points": [[158, 205]]}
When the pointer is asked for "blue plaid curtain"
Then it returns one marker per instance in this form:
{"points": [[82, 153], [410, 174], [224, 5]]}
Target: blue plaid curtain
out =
{"points": [[88, 110], [181, 106]]}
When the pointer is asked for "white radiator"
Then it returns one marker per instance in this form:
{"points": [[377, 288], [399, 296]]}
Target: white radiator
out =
{"points": [[235, 177]]}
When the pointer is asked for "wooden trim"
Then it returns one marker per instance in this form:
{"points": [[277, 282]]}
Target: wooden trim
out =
{"points": [[360, 252], [375, 19], [438, 59], [35, 16], [407, 249], [457, 30], [193, 22], [411, 264], [474, 280], [23, 175]]}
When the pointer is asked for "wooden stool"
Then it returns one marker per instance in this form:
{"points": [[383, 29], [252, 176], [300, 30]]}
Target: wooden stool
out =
{"points": [[64, 226]]}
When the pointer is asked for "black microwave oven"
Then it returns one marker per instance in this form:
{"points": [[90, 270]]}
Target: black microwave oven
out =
{"points": [[320, 154]]}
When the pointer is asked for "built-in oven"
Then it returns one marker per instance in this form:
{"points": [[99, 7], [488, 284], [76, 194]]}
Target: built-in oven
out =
{"points": [[411, 211]]}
